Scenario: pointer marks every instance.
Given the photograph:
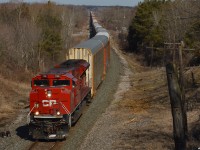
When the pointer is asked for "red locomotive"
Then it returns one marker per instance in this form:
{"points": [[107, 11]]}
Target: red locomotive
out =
{"points": [[56, 99]]}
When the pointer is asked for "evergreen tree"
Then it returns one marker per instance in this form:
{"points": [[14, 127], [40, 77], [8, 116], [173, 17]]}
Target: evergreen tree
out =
{"points": [[144, 30], [51, 26]]}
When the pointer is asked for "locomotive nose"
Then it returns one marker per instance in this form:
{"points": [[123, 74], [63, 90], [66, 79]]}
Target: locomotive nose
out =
{"points": [[49, 94]]}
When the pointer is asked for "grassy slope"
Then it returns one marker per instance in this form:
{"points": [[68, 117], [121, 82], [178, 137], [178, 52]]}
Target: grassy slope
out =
{"points": [[13, 97], [147, 101]]}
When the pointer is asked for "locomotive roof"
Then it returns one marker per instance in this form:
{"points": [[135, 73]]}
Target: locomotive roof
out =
{"points": [[68, 66], [94, 44]]}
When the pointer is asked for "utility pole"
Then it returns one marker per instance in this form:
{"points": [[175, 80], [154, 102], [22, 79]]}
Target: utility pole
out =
{"points": [[180, 48], [176, 107], [181, 81]]}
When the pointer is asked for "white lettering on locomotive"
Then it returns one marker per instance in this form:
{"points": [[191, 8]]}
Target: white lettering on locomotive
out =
{"points": [[48, 103]]}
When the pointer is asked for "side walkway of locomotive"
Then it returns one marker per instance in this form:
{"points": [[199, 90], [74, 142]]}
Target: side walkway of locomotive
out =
{"points": [[57, 96]]}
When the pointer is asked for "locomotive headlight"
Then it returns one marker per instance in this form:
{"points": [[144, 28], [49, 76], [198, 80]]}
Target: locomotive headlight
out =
{"points": [[37, 113], [49, 94], [58, 113]]}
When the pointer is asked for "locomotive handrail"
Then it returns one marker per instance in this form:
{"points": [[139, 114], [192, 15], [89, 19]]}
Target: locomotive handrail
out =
{"points": [[68, 113], [28, 118]]}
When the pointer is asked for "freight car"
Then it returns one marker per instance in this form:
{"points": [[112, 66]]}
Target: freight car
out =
{"points": [[58, 96], [96, 51]]}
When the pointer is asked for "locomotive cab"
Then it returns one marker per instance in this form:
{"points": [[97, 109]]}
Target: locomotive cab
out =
{"points": [[55, 100]]}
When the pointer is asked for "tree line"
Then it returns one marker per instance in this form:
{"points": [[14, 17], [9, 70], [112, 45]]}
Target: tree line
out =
{"points": [[33, 37], [164, 21]]}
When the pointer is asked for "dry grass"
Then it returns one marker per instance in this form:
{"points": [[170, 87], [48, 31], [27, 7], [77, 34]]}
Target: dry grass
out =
{"points": [[147, 101], [13, 97], [136, 105]]}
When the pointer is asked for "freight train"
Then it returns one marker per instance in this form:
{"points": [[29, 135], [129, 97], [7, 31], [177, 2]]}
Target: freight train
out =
{"points": [[58, 95]]}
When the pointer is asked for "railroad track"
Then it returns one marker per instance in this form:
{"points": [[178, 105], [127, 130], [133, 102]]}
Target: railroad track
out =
{"points": [[45, 145]]}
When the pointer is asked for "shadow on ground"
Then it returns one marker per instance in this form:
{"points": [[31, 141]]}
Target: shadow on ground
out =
{"points": [[23, 133]]}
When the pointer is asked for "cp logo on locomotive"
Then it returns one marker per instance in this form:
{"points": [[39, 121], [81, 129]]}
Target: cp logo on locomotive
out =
{"points": [[48, 103]]}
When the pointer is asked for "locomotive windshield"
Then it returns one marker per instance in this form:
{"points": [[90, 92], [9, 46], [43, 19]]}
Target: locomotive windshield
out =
{"points": [[61, 82], [41, 82]]}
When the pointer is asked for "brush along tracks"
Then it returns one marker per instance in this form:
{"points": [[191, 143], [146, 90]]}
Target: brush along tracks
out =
{"points": [[46, 145]]}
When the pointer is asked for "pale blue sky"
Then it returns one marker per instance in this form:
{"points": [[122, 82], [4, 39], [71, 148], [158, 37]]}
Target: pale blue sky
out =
{"points": [[88, 2]]}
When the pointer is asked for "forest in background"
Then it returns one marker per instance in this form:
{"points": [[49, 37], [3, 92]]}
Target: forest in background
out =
{"points": [[155, 29], [34, 37], [157, 22]]}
